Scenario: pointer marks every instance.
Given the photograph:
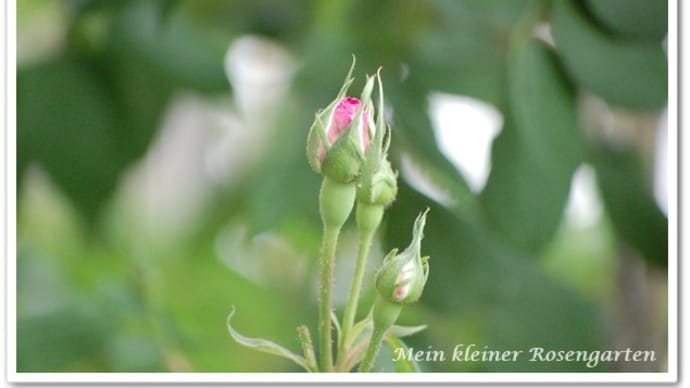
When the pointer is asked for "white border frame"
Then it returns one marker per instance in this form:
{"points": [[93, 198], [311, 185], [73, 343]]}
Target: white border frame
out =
{"points": [[539, 377]]}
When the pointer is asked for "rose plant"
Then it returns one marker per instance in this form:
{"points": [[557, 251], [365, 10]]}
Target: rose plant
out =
{"points": [[348, 146]]}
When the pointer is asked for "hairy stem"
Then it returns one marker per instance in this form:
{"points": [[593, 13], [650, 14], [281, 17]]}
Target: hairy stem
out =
{"points": [[385, 315], [353, 298], [335, 205], [372, 350], [368, 218], [330, 240]]}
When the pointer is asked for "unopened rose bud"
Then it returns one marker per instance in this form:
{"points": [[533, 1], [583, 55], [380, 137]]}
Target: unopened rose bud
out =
{"points": [[402, 276], [378, 183], [379, 188], [340, 134]]}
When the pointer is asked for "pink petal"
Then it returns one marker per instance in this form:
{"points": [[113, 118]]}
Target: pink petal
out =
{"points": [[342, 117], [365, 131]]}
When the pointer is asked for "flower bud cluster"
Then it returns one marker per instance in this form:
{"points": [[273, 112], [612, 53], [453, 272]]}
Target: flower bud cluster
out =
{"points": [[346, 144]]}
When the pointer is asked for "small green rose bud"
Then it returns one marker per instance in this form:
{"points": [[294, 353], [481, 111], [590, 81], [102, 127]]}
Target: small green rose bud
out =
{"points": [[402, 276], [379, 188], [341, 133], [378, 183], [399, 281]]}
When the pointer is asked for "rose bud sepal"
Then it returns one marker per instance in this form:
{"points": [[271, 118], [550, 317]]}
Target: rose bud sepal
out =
{"points": [[324, 120]]}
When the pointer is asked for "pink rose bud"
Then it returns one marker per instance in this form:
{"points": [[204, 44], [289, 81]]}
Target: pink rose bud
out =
{"points": [[340, 134], [342, 118]]}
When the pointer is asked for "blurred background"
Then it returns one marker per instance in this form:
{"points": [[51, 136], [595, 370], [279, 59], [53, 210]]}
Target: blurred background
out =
{"points": [[162, 175]]}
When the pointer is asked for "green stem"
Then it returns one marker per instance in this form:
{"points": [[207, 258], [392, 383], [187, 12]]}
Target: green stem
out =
{"points": [[372, 350], [385, 315], [330, 240], [368, 219], [353, 298], [335, 205]]}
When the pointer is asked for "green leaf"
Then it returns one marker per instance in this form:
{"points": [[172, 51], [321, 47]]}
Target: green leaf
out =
{"points": [[360, 331], [630, 204], [405, 331], [92, 122], [464, 49], [266, 346], [641, 19], [625, 73], [535, 155], [66, 123], [186, 53], [360, 336], [356, 350], [402, 364], [543, 104], [140, 94]]}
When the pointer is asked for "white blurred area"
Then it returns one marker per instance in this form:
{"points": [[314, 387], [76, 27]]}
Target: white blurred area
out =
{"points": [[584, 206], [204, 143], [465, 128], [259, 71], [661, 163]]}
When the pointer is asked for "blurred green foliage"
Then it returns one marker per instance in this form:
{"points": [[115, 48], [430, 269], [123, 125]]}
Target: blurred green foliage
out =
{"points": [[98, 292]]}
